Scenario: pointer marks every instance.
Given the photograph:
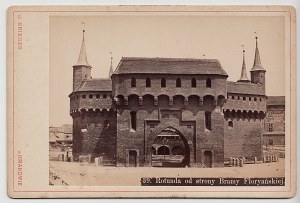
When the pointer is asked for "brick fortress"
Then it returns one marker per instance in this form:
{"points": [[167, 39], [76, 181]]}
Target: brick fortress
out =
{"points": [[167, 112]]}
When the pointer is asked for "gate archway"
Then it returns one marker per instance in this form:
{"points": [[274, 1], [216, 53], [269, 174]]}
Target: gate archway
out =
{"points": [[172, 149]]}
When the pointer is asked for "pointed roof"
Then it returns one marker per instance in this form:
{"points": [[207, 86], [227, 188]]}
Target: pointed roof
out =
{"points": [[244, 77], [257, 63], [82, 59], [111, 71]]}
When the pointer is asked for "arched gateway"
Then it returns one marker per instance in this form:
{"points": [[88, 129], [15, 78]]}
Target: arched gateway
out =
{"points": [[170, 149]]}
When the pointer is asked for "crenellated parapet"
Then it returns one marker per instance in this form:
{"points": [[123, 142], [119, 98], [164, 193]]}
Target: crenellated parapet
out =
{"points": [[92, 94], [165, 100], [91, 111], [244, 114]]}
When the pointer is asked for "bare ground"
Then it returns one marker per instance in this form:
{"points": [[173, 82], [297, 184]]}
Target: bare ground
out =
{"points": [[76, 174]]}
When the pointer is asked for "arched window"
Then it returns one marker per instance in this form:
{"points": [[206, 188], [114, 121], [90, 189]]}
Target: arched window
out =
{"points": [[178, 82], [148, 82], [208, 82], [133, 82], [230, 124], [163, 82], [194, 83]]}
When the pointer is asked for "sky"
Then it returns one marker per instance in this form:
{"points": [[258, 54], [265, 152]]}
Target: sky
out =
{"points": [[171, 36]]}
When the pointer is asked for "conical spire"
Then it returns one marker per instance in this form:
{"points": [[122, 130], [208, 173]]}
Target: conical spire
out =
{"points": [[244, 77], [257, 64], [111, 71], [82, 59]]}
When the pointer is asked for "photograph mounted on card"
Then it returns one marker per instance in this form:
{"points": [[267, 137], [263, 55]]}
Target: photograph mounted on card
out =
{"points": [[151, 101]]}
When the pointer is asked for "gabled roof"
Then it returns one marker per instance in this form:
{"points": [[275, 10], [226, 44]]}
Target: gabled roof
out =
{"points": [[133, 65], [276, 100], [67, 128], [244, 88], [95, 84]]}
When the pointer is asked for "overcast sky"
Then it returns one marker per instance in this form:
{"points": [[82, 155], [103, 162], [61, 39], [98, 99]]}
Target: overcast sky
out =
{"points": [[161, 36]]}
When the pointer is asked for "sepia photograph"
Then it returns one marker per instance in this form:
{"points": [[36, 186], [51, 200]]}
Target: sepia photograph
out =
{"points": [[151, 101], [183, 96]]}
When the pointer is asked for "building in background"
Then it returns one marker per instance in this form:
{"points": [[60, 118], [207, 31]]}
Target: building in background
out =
{"points": [[168, 112], [61, 137], [275, 121]]}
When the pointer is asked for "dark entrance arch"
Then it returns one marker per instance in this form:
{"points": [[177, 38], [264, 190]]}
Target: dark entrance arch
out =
{"points": [[172, 149]]}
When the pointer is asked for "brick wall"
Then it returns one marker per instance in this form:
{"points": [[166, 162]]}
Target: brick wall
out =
{"points": [[104, 100], [244, 139], [95, 134], [79, 73], [122, 85]]}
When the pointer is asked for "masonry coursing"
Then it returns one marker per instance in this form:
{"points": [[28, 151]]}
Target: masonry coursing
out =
{"points": [[154, 101]]}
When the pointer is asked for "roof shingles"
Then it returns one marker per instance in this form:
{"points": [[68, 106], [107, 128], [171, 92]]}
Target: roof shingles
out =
{"points": [[244, 88], [98, 84], [129, 65]]}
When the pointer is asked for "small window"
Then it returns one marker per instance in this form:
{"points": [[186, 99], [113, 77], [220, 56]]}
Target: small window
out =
{"points": [[238, 97], [85, 76], [208, 120], [148, 82], [244, 98], [83, 96], [77, 97], [91, 96], [270, 141], [165, 115], [260, 99], [97, 96], [249, 98], [270, 127], [104, 96], [106, 124], [194, 82], [208, 82], [178, 82], [163, 82], [255, 99], [133, 120], [133, 82], [230, 124], [232, 97]]}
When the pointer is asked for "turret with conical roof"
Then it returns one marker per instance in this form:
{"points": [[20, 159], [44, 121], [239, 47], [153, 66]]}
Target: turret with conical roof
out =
{"points": [[82, 69], [257, 71], [244, 77]]}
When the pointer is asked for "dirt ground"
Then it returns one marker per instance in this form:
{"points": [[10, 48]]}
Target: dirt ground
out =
{"points": [[76, 174]]}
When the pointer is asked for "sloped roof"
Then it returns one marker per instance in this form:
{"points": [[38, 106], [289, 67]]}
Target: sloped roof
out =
{"points": [[67, 128], [276, 100], [169, 66], [244, 88], [95, 84]]}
